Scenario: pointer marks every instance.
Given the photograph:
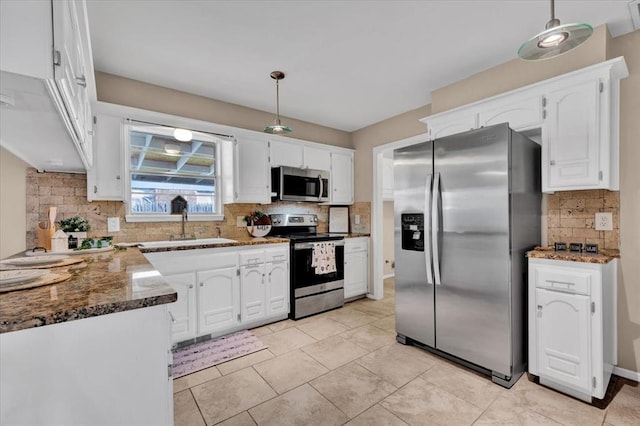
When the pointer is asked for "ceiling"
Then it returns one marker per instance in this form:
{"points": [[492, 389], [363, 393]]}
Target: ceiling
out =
{"points": [[348, 64]]}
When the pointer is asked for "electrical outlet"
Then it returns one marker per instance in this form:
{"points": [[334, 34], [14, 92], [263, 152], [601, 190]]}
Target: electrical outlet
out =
{"points": [[357, 219], [604, 221], [113, 224]]}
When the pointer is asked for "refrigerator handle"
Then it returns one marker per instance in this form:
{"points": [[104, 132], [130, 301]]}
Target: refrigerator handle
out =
{"points": [[427, 227], [435, 228]]}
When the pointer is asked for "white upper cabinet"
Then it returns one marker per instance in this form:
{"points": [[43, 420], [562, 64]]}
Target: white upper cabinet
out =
{"points": [[252, 176], [576, 116], [449, 124], [522, 112], [105, 179], [316, 158], [341, 178], [49, 42], [285, 153], [573, 137], [295, 153]]}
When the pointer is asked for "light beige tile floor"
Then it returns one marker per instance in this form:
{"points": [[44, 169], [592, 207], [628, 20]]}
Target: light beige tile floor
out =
{"points": [[344, 367]]}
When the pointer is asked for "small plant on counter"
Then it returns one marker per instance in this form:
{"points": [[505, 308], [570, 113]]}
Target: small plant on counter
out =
{"points": [[74, 224], [257, 218]]}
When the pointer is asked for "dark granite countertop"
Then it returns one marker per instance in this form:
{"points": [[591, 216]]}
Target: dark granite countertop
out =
{"points": [[105, 283], [604, 256]]}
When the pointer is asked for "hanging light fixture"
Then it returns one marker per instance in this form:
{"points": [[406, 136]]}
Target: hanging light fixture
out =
{"points": [[555, 40], [277, 126]]}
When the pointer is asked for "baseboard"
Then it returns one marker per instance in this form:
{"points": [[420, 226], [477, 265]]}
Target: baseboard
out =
{"points": [[627, 374], [384, 277]]}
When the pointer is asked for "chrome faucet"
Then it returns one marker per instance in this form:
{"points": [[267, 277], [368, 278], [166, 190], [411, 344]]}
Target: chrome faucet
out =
{"points": [[184, 219]]}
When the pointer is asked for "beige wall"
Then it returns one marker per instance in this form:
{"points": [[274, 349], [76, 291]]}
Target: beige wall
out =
{"points": [[517, 73], [629, 271], [123, 91], [12, 204], [364, 140]]}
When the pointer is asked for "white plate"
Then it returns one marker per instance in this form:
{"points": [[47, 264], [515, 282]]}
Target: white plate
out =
{"points": [[33, 260], [13, 277]]}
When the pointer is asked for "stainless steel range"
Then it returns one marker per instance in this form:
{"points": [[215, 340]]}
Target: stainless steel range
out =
{"points": [[314, 289]]}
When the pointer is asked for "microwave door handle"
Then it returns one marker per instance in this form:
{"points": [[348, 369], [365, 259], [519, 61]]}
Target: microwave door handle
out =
{"points": [[321, 187], [281, 188]]}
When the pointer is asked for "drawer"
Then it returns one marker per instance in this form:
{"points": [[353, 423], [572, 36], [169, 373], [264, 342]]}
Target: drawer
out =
{"points": [[219, 261], [277, 255], [356, 244], [564, 279], [251, 257]]}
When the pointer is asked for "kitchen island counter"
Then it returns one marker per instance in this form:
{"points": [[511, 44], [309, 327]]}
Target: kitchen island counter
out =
{"points": [[105, 283]]}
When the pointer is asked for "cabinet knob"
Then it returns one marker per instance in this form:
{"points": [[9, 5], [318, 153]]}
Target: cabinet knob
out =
{"points": [[201, 284], [190, 285], [552, 162]]}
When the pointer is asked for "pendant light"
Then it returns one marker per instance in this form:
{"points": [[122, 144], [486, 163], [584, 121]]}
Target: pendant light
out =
{"points": [[555, 40], [277, 127]]}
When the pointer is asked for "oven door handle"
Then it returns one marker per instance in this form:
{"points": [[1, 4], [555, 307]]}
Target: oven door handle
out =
{"points": [[306, 246]]}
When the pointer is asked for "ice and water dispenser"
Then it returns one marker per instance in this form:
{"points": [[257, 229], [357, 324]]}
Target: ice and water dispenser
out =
{"points": [[412, 231]]}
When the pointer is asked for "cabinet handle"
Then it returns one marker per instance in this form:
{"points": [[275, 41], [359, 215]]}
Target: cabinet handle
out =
{"points": [[173, 320], [118, 177], [552, 162], [81, 81], [262, 278], [539, 310], [190, 285], [95, 189], [201, 284]]}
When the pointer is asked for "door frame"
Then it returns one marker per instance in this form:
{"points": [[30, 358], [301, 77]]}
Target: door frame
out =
{"points": [[377, 210]]}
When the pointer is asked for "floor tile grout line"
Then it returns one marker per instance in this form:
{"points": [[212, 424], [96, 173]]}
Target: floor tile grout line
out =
{"points": [[197, 406], [330, 402]]}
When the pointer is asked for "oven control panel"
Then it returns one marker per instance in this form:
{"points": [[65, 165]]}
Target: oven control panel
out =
{"points": [[292, 219]]}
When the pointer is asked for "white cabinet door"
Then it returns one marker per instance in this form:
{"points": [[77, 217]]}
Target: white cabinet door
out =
{"points": [[521, 114], [105, 179], [564, 338], [253, 177], [277, 288], [341, 178], [283, 153], [253, 292], [218, 300], [450, 124], [572, 141], [356, 266], [317, 158], [183, 311], [70, 72]]}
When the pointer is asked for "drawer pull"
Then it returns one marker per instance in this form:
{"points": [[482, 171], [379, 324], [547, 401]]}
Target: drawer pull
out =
{"points": [[560, 282]]}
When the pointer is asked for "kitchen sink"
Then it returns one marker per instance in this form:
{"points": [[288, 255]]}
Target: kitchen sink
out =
{"points": [[183, 243]]}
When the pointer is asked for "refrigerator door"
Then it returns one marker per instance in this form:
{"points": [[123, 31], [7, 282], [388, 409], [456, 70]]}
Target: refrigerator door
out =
{"points": [[471, 247], [412, 174]]}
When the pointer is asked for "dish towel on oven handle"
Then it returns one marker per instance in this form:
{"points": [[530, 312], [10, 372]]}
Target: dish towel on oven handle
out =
{"points": [[323, 257]]}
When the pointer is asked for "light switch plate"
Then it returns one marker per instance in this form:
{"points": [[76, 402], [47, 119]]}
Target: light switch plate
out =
{"points": [[113, 224], [604, 221]]}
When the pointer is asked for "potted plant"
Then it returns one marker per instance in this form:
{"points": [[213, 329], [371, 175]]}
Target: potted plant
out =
{"points": [[75, 226], [258, 223]]}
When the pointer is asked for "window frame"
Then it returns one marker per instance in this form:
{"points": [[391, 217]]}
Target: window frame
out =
{"points": [[218, 140]]}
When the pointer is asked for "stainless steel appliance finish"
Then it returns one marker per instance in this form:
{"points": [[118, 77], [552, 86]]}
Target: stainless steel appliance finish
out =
{"points": [[467, 207], [311, 293], [295, 184]]}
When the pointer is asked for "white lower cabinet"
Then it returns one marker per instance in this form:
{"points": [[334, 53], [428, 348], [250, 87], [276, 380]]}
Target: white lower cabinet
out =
{"points": [[222, 290], [356, 267], [572, 325], [106, 370], [183, 311], [218, 300]]}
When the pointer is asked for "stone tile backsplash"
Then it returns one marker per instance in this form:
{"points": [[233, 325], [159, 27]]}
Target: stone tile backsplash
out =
{"points": [[571, 217], [68, 192]]}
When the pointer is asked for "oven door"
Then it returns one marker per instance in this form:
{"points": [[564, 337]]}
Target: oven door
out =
{"points": [[304, 275]]}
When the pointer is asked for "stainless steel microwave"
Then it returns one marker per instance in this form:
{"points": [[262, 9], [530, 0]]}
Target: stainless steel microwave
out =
{"points": [[294, 184]]}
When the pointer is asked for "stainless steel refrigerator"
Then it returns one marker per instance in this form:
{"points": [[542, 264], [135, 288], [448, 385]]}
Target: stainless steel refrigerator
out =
{"points": [[467, 208]]}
